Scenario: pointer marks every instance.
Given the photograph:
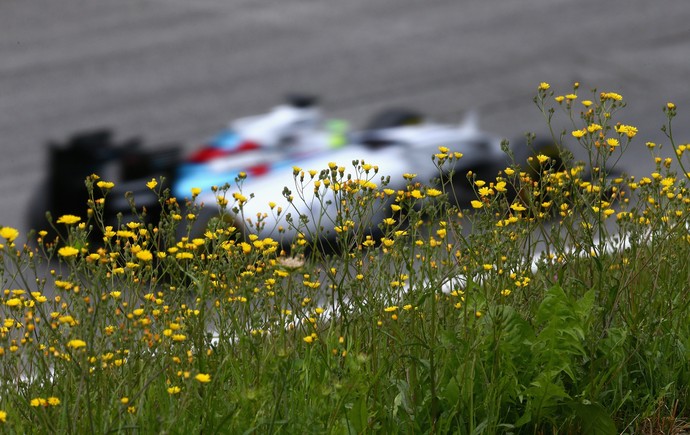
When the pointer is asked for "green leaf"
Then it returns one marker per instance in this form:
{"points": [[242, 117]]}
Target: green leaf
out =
{"points": [[593, 418]]}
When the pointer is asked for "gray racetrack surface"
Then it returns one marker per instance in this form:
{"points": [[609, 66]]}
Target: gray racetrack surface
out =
{"points": [[178, 70]]}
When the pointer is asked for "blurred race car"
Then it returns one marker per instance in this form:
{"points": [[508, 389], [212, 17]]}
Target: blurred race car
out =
{"points": [[265, 148]]}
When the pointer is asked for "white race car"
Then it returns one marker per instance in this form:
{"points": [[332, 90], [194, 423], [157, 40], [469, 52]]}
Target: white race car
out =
{"points": [[267, 149], [263, 151]]}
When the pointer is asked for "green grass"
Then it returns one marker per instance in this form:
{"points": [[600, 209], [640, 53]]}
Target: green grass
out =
{"points": [[440, 325]]}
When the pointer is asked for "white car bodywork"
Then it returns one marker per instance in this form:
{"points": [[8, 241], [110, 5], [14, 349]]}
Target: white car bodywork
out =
{"points": [[290, 137]]}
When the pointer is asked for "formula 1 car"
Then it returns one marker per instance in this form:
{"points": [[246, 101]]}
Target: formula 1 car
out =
{"points": [[264, 149]]}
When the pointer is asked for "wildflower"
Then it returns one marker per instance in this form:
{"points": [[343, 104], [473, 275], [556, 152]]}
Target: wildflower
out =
{"points": [[308, 339], [579, 133], [124, 400], [152, 184], [105, 185], [612, 142], [417, 194], [14, 302], [53, 401], [203, 378], [670, 106], [543, 86], [542, 158], [477, 204], [593, 127], [559, 99], [433, 192], [517, 207], [9, 233], [485, 191], [174, 390], [627, 130], [586, 103], [610, 96], [68, 251], [3, 416], [38, 401], [68, 219], [390, 309], [76, 344], [408, 176], [571, 96], [144, 255]]}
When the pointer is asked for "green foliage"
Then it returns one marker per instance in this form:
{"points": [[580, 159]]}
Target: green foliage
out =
{"points": [[521, 314]]}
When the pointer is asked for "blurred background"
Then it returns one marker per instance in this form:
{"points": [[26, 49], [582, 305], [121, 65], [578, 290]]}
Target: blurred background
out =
{"points": [[179, 70]]}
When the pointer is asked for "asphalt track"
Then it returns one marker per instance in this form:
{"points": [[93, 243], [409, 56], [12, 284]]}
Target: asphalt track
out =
{"points": [[178, 70]]}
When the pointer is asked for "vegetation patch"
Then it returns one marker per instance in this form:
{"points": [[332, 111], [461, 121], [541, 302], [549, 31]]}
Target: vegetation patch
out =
{"points": [[556, 302]]}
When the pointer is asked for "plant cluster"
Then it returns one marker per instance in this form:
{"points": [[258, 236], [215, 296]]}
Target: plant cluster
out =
{"points": [[555, 302]]}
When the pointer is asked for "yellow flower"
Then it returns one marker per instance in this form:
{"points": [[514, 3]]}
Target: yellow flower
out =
{"points": [[542, 158], [38, 401], [68, 219], [585, 103], [670, 106], [196, 191], [174, 390], [559, 99], [308, 339], [571, 96], [518, 207], [612, 142], [627, 130], [543, 86], [485, 191], [9, 233], [579, 133], [593, 127], [144, 255], [124, 400], [152, 184], [3, 416], [68, 251], [53, 401], [76, 343], [203, 378], [501, 186], [610, 96], [433, 192], [477, 204], [105, 185], [390, 309]]}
